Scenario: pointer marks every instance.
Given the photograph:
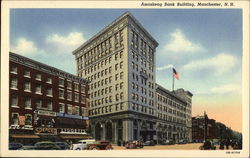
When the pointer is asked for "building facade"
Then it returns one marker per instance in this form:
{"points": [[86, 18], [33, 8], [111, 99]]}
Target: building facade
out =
{"points": [[187, 97], [120, 63], [172, 114], [45, 102], [203, 128]]}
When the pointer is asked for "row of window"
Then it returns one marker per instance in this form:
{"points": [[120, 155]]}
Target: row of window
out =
{"points": [[135, 77], [28, 102], [170, 118], [143, 99], [71, 85], [106, 81], [16, 119], [143, 62], [170, 110], [107, 90], [145, 49], [106, 100], [74, 110], [38, 76], [105, 72], [106, 109], [170, 102], [141, 108], [143, 90], [100, 50]]}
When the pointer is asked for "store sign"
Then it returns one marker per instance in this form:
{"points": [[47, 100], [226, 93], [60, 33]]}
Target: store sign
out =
{"points": [[41, 130], [21, 127], [72, 131], [46, 113], [71, 116]]}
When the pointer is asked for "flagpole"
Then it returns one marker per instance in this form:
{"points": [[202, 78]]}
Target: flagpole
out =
{"points": [[173, 83]]}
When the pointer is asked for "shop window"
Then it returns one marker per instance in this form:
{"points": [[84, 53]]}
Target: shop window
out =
{"points": [[15, 119], [13, 83], [14, 100]]}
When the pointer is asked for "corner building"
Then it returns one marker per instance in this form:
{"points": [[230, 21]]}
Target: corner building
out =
{"points": [[120, 63], [45, 103]]}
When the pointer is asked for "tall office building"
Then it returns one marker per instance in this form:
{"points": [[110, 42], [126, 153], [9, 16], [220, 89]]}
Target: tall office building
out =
{"points": [[120, 63]]}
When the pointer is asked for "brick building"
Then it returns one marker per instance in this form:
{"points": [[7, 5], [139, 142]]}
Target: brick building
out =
{"points": [[203, 128], [45, 102]]}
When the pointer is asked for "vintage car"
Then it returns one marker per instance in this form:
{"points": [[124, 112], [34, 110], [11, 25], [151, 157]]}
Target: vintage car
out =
{"points": [[134, 144], [46, 145], [82, 144], [100, 145], [149, 143]]}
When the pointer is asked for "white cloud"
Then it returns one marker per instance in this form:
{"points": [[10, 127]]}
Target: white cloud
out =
{"points": [[179, 43], [66, 43], [165, 67], [219, 64], [228, 88], [24, 47]]}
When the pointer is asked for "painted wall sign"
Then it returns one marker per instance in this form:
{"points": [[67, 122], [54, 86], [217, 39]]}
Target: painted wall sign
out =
{"points": [[46, 113]]}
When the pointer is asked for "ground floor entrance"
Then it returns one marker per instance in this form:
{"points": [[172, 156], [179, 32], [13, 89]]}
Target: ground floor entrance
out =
{"points": [[121, 128]]}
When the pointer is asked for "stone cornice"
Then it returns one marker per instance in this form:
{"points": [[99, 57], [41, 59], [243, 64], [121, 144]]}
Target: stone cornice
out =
{"points": [[45, 68], [113, 24], [160, 89]]}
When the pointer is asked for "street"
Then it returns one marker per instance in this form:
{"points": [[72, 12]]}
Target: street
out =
{"points": [[191, 146]]}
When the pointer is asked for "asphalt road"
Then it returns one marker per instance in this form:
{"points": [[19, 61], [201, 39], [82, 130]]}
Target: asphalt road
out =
{"points": [[191, 146]]}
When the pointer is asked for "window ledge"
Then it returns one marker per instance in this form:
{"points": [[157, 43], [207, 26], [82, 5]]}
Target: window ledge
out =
{"points": [[27, 90], [38, 93], [28, 108], [15, 106], [49, 95], [14, 88]]}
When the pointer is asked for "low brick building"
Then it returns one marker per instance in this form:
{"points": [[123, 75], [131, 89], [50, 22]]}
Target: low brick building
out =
{"points": [[45, 102]]}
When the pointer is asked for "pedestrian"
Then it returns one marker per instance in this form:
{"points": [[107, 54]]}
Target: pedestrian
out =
{"points": [[227, 142], [221, 145]]}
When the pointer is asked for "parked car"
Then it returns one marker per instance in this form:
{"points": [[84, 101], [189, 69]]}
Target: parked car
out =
{"points": [[168, 142], [62, 145], [46, 145], [207, 145], [82, 144], [149, 143], [182, 141], [15, 146], [134, 144], [100, 145]]}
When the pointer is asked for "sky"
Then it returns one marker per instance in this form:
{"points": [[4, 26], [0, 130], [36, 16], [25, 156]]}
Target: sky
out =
{"points": [[203, 45]]}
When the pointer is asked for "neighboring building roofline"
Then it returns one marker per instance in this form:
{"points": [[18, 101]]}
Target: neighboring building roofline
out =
{"points": [[168, 92], [44, 68], [126, 14]]}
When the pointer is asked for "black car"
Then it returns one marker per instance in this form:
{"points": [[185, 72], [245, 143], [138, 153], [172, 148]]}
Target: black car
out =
{"points": [[62, 145], [15, 146], [46, 145]]}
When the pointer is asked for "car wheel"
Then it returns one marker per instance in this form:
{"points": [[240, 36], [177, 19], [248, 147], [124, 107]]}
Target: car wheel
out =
{"points": [[95, 148], [78, 149]]}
